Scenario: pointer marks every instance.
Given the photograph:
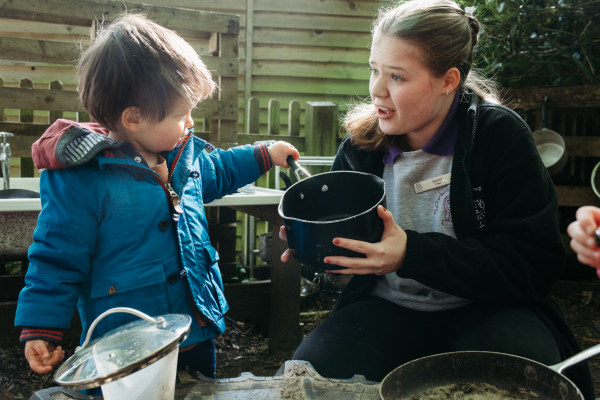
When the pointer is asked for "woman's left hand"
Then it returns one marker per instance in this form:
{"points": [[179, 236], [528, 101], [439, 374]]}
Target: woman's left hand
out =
{"points": [[381, 258]]}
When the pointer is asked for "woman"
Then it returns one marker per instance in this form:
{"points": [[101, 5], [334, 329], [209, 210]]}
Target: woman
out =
{"points": [[471, 244]]}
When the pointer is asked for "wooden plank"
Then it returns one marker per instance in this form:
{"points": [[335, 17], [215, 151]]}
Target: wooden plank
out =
{"points": [[315, 54], [62, 100], [12, 72], [364, 8], [576, 196], [54, 115], [248, 49], [228, 47], [274, 124], [558, 97], [294, 118], [252, 115], [313, 22], [331, 7], [43, 30], [39, 99], [285, 98], [321, 128], [311, 70], [317, 38], [228, 6], [277, 85], [38, 51], [583, 146], [82, 13]]}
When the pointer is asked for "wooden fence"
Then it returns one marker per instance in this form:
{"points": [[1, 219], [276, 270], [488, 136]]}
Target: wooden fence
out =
{"points": [[309, 50]]}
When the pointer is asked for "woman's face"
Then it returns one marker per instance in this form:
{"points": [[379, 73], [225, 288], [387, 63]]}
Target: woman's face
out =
{"points": [[409, 99]]}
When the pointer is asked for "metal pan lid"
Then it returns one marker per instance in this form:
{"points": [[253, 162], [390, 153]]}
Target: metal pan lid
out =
{"points": [[123, 350]]}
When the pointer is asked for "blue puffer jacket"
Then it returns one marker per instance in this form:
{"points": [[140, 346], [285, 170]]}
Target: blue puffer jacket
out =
{"points": [[109, 234]]}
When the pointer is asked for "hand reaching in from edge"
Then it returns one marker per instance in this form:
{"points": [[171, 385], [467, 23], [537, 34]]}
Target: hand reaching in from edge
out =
{"points": [[583, 240]]}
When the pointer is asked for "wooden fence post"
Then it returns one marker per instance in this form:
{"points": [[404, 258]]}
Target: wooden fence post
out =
{"points": [[26, 116], [294, 118], [54, 115], [321, 128], [253, 115], [274, 117], [1, 109]]}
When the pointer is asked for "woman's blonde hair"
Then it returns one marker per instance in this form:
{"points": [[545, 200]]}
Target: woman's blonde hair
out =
{"points": [[447, 37]]}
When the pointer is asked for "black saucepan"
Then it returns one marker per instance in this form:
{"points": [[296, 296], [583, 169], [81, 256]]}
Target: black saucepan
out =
{"points": [[481, 374], [319, 208]]}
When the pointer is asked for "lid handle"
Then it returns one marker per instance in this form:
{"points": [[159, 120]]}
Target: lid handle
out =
{"points": [[160, 321]]}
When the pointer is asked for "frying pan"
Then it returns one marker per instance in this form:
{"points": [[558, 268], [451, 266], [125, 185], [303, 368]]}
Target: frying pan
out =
{"points": [[485, 373], [318, 208], [550, 145]]}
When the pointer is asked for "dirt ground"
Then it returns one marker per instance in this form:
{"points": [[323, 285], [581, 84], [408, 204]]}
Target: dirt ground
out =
{"points": [[245, 349]]}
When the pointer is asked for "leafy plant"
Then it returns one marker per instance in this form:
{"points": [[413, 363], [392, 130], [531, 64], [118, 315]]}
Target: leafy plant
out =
{"points": [[539, 42]]}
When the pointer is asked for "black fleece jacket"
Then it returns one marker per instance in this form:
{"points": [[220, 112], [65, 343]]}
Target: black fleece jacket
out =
{"points": [[508, 248]]}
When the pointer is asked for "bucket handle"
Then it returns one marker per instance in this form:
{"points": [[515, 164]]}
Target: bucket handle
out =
{"points": [[160, 321]]}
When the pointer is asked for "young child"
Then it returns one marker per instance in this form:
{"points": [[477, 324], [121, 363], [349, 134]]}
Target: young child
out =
{"points": [[122, 220]]}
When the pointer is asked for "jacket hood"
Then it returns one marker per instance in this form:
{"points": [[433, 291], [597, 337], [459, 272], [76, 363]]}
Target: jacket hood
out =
{"points": [[66, 143]]}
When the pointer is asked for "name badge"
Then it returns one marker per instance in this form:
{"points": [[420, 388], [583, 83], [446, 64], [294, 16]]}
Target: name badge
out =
{"points": [[432, 183]]}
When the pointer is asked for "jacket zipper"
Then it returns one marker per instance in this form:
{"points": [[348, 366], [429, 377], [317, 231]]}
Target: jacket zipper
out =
{"points": [[173, 196]]}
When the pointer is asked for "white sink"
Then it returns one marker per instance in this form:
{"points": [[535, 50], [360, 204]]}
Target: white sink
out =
{"points": [[20, 191]]}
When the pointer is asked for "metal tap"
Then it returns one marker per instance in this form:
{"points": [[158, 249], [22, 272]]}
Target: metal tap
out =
{"points": [[5, 158]]}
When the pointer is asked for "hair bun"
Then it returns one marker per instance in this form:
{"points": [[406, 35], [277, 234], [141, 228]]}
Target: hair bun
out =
{"points": [[474, 25]]}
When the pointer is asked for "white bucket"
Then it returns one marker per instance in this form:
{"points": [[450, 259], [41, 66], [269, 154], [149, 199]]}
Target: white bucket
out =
{"points": [[155, 382]]}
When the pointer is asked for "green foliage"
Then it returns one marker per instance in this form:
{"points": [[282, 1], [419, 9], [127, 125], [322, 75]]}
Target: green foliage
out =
{"points": [[527, 43]]}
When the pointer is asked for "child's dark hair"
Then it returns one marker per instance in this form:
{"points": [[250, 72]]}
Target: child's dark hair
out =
{"points": [[136, 62]]}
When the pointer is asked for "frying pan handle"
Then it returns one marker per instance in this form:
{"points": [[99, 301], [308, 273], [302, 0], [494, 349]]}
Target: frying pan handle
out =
{"points": [[296, 167], [577, 358]]}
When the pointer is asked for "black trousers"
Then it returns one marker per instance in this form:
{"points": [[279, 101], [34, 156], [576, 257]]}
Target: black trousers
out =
{"points": [[373, 336]]}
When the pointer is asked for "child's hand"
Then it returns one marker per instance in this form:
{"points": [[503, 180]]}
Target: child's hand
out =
{"points": [[582, 235], [42, 355], [280, 150]]}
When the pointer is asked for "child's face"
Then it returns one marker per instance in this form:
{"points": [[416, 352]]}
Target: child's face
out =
{"points": [[155, 137]]}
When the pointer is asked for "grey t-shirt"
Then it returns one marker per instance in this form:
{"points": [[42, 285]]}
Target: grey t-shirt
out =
{"points": [[418, 195]]}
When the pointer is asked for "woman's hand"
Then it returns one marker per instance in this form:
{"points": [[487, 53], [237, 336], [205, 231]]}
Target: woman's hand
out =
{"points": [[582, 231], [288, 253], [280, 151], [42, 355], [381, 258]]}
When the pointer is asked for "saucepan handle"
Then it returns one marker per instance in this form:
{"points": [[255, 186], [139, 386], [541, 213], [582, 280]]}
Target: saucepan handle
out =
{"points": [[296, 167], [577, 358]]}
